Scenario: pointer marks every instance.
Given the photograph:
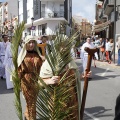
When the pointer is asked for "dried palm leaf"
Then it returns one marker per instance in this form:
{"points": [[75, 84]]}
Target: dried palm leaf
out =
{"points": [[16, 81]]}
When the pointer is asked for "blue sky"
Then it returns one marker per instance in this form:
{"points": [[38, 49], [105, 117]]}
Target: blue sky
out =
{"points": [[84, 8]]}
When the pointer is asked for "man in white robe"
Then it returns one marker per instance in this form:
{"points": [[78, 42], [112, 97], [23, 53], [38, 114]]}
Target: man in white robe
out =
{"points": [[8, 63], [84, 54], [8, 67], [3, 46]]}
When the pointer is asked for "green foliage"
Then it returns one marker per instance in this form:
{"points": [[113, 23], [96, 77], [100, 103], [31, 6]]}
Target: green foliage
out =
{"points": [[53, 100], [16, 81]]}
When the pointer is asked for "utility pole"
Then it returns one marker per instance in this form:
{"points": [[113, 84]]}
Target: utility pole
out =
{"points": [[32, 19], [114, 28]]}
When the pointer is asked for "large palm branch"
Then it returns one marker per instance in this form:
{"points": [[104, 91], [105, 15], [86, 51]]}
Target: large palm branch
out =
{"points": [[53, 99], [16, 39]]}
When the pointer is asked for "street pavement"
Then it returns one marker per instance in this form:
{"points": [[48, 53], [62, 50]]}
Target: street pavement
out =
{"points": [[101, 96], [102, 91]]}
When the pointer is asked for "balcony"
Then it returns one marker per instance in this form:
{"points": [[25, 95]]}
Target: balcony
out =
{"points": [[56, 14], [108, 6], [102, 16]]}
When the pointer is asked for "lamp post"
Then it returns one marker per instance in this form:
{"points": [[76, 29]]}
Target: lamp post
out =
{"points": [[32, 19], [114, 28]]}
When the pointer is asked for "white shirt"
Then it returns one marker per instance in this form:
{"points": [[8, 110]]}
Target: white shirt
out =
{"points": [[89, 45], [39, 41], [3, 46], [107, 46]]}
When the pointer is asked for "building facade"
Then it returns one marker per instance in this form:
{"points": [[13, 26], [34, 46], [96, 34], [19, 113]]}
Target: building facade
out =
{"points": [[8, 15], [45, 15], [107, 13]]}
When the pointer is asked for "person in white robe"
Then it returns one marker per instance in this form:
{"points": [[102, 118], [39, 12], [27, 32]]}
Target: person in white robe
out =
{"points": [[8, 67], [8, 63], [3, 46], [84, 54]]}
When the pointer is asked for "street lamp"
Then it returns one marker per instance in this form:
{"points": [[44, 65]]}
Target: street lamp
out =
{"points": [[114, 29], [32, 19]]}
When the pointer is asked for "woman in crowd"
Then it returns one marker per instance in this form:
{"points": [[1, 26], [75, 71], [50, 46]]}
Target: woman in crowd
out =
{"points": [[102, 49], [111, 48], [107, 49]]}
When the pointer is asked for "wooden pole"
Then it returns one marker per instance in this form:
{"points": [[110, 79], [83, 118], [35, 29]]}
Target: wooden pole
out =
{"points": [[90, 55]]}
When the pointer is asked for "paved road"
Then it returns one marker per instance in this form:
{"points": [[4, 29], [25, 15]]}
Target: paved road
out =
{"points": [[102, 91], [100, 102]]}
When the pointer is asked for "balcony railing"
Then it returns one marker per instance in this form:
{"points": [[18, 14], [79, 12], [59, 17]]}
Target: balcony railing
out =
{"points": [[108, 2], [56, 14]]}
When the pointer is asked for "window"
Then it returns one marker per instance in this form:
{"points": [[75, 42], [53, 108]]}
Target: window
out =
{"points": [[61, 7], [44, 26], [61, 10], [43, 10], [42, 29], [29, 31], [39, 29], [118, 12]]}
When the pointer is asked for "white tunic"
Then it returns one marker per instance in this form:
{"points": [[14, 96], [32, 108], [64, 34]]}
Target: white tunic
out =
{"points": [[8, 63], [84, 54], [8, 67], [3, 47]]}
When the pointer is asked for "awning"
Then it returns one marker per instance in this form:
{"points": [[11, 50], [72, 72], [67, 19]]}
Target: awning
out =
{"points": [[100, 27]]}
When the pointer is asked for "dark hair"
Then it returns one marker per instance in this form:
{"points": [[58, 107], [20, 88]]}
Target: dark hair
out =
{"points": [[107, 39], [4, 36], [44, 37]]}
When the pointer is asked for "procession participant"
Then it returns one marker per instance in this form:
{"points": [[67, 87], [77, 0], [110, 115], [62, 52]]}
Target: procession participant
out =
{"points": [[84, 54], [8, 63], [107, 49], [39, 41], [3, 46], [102, 49], [42, 45], [47, 75], [29, 64]]}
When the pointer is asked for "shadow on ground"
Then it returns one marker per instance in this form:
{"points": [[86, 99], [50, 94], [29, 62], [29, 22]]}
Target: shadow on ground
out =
{"points": [[97, 112], [3, 89]]}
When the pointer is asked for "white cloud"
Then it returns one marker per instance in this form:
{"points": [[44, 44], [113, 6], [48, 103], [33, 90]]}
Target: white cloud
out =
{"points": [[84, 8]]}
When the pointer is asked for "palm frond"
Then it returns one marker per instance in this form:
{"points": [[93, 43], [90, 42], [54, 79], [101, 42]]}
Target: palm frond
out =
{"points": [[53, 99], [16, 81]]}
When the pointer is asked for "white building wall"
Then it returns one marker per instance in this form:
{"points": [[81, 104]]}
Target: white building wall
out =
{"points": [[51, 27], [20, 10], [50, 7], [20, 7], [12, 9], [30, 9]]}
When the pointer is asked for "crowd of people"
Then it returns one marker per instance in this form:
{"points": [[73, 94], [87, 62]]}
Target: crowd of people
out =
{"points": [[105, 51], [31, 61], [30, 64]]}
